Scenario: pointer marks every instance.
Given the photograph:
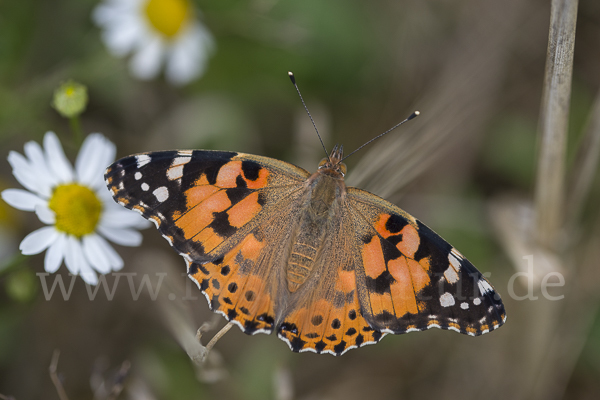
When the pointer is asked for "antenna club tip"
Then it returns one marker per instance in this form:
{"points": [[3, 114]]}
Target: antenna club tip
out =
{"points": [[414, 115], [292, 77]]}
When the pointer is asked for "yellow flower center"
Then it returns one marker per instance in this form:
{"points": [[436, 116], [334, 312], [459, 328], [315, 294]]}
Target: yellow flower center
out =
{"points": [[77, 209], [168, 16]]}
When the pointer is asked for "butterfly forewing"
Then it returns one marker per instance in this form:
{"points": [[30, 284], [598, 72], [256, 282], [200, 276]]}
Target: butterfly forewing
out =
{"points": [[201, 201]]}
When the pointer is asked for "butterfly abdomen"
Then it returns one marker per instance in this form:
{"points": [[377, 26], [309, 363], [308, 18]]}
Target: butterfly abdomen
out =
{"points": [[320, 207]]}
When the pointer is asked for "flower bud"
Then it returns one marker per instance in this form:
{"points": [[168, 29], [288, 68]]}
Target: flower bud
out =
{"points": [[70, 99]]}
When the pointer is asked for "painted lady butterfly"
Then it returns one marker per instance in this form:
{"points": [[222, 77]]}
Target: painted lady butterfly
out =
{"points": [[274, 247]]}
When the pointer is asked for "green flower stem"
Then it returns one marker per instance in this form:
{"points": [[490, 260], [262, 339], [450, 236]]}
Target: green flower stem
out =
{"points": [[76, 130]]}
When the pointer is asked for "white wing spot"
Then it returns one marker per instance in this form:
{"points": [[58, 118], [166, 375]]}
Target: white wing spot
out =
{"points": [[464, 306], [484, 286], [477, 301], [142, 160], [162, 193], [138, 176], [181, 160], [454, 262], [447, 300], [145, 187], [451, 275], [175, 173]]}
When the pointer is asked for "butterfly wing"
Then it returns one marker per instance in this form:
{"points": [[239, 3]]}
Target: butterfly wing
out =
{"points": [[219, 210], [382, 271], [411, 279]]}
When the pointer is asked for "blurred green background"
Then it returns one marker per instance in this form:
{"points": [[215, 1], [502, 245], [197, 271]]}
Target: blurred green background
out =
{"points": [[475, 71]]}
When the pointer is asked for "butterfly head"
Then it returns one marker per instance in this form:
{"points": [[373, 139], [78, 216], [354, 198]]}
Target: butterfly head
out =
{"points": [[333, 164]]}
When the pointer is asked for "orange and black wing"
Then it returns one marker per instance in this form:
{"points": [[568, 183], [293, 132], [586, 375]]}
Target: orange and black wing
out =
{"points": [[226, 213], [382, 271], [411, 279]]}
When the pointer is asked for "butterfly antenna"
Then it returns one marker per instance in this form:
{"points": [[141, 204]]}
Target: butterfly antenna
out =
{"points": [[293, 79], [411, 116]]}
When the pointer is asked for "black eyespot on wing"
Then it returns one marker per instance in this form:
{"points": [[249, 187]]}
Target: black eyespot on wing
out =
{"points": [[251, 170], [233, 287], [395, 223], [317, 320]]}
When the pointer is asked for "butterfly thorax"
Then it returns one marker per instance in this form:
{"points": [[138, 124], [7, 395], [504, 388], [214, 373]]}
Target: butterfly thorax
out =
{"points": [[326, 192]]}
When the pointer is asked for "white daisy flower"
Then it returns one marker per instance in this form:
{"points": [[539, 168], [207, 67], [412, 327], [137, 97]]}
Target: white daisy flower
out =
{"points": [[75, 205], [156, 31]]}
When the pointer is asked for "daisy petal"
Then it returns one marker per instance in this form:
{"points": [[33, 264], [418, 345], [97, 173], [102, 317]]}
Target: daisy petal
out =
{"points": [[124, 237], [37, 160], [145, 64], [95, 155], [55, 254], [122, 36], [22, 199], [56, 159], [24, 174], [87, 273], [189, 55], [38, 241], [115, 260], [45, 214], [73, 253], [94, 253]]}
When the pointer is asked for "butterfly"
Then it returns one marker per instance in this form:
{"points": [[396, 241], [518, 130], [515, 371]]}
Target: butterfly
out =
{"points": [[276, 248]]}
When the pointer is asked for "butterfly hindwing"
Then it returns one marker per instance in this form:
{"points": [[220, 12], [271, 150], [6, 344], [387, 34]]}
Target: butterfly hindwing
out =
{"points": [[412, 279]]}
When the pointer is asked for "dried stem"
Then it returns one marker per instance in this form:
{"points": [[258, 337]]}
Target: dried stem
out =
{"points": [[216, 338], [554, 116], [54, 376]]}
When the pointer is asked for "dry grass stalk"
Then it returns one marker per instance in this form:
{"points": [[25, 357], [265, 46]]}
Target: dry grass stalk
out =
{"points": [[553, 124]]}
